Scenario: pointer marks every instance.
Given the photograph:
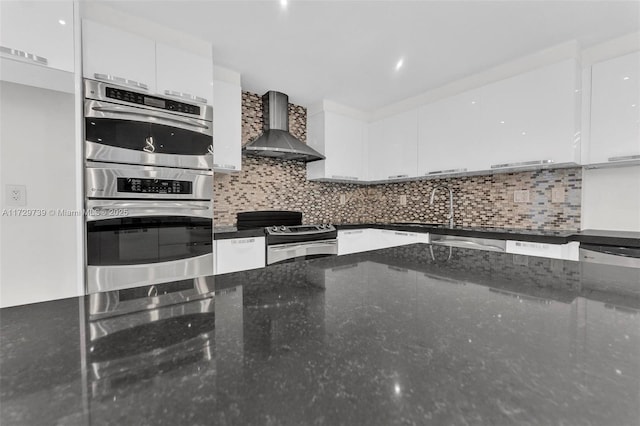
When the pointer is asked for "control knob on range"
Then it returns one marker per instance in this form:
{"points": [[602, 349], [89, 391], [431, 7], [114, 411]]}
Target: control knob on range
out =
{"points": [[274, 228], [283, 228]]}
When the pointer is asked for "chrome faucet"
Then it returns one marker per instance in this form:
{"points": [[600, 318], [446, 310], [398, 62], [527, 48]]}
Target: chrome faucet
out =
{"points": [[433, 193]]}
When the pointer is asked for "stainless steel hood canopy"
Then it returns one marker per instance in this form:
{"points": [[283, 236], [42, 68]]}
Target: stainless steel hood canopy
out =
{"points": [[276, 141]]}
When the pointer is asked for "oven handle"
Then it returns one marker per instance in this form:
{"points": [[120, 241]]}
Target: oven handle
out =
{"points": [[289, 246], [103, 210], [146, 113]]}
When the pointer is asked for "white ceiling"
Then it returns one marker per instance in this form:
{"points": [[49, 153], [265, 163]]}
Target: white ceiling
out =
{"points": [[346, 51]]}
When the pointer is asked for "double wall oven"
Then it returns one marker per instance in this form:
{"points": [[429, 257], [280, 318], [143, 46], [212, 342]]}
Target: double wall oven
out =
{"points": [[148, 188]]}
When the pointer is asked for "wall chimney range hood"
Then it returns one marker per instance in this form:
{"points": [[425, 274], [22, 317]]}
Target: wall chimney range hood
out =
{"points": [[276, 141]]}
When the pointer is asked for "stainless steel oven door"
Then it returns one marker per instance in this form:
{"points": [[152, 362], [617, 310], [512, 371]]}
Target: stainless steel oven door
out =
{"points": [[306, 250], [105, 180], [130, 134], [132, 243]]}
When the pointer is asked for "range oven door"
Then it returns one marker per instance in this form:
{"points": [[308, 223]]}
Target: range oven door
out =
{"points": [[131, 243], [123, 133], [280, 253]]}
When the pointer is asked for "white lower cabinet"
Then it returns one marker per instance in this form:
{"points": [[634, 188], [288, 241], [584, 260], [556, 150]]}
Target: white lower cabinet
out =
{"points": [[359, 240], [567, 251], [239, 254], [353, 241]]}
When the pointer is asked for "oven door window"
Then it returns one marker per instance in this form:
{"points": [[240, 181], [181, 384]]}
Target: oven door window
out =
{"points": [[133, 241], [146, 137]]}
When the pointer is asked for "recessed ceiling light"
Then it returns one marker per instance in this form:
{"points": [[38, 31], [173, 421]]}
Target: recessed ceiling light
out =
{"points": [[474, 102], [501, 121], [62, 22], [399, 64], [524, 133], [626, 77], [284, 3]]}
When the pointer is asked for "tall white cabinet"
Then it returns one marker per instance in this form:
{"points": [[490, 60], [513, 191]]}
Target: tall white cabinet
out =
{"points": [[615, 111]]}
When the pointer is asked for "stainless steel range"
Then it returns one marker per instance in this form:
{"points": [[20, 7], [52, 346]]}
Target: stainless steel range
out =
{"points": [[300, 242], [287, 238]]}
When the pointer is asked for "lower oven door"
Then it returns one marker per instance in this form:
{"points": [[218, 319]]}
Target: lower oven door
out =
{"points": [[132, 243], [290, 251]]}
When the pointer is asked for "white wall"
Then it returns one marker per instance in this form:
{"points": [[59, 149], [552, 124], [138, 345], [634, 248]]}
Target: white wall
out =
{"points": [[38, 255], [611, 199]]}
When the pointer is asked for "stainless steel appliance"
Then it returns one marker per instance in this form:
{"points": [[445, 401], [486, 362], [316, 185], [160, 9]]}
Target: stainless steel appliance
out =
{"points": [[147, 225], [142, 332], [125, 126], [276, 141], [285, 243], [610, 255]]}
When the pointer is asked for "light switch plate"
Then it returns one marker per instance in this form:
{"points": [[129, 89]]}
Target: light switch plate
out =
{"points": [[557, 194], [403, 200], [15, 195], [521, 196], [343, 199]]}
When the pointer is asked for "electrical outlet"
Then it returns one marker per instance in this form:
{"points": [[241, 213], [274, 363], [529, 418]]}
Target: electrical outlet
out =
{"points": [[521, 196], [557, 194], [403, 200], [16, 195], [343, 199]]}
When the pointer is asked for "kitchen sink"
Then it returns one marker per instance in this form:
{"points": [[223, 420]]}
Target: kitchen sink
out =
{"points": [[469, 242]]}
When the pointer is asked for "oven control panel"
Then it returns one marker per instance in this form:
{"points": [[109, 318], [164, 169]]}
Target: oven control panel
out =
{"points": [[300, 229], [152, 101], [154, 186]]}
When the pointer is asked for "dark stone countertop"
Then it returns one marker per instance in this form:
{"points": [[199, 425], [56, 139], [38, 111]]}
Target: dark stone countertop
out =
{"points": [[590, 236], [417, 334], [229, 232]]}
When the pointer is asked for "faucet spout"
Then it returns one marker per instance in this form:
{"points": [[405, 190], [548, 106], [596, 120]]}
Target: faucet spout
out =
{"points": [[433, 193]]}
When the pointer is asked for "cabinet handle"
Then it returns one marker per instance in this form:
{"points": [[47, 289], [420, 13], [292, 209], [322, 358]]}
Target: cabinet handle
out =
{"points": [[186, 96], [224, 166], [344, 177], [244, 241], [624, 158], [404, 234], [442, 172], [353, 232], [522, 164], [398, 176], [121, 80], [24, 55]]}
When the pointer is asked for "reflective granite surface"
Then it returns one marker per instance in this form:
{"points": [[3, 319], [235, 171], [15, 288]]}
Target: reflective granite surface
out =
{"points": [[407, 335]]}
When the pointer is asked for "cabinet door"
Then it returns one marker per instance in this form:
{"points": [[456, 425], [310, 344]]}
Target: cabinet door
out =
{"points": [[353, 241], [227, 126], [343, 147], [41, 28], [113, 53], [184, 75], [450, 139], [532, 117], [239, 254], [393, 146], [615, 110]]}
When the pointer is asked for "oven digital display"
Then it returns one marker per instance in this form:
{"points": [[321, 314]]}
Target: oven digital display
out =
{"points": [[155, 102], [154, 186]]}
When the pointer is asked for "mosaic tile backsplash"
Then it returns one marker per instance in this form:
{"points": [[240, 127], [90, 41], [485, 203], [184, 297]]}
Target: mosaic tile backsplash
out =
{"points": [[488, 201]]}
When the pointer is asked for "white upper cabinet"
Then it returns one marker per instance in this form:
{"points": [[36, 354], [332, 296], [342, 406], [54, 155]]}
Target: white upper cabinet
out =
{"points": [[450, 137], [393, 147], [532, 118], [38, 32], [341, 140], [112, 53], [227, 126], [615, 110], [183, 75], [138, 62]]}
